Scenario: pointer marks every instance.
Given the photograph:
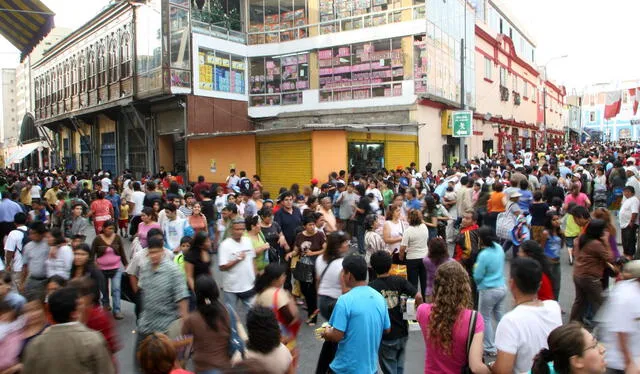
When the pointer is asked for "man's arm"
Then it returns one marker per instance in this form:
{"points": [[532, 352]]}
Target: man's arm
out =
{"points": [[232, 263], [332, 334], [504, 363], [183, 308]]}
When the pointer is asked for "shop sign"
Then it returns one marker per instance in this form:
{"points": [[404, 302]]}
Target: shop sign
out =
{"points": [[462, 123]]}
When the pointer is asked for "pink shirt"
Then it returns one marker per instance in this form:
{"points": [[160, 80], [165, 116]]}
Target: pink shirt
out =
{"points": [[143, 230], [580, 200], [438, 362], [109, 260]]}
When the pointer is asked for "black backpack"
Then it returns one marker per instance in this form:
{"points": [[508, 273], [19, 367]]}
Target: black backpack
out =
{"points": [[25, 238]]}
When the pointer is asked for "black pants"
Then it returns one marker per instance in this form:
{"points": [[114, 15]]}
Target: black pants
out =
{"points": [[588, 292], [310, 296], [329, 349], [416, 272], [135, 221], [629, 240]]}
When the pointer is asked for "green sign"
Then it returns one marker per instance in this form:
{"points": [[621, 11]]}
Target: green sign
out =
{"points": [[462, 123]]}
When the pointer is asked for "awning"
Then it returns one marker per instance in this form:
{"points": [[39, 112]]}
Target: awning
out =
{"points": [[23, 151], [24, 23]]}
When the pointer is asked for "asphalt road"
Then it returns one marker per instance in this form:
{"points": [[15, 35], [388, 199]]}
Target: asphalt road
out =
{"points": [[310, 347]]}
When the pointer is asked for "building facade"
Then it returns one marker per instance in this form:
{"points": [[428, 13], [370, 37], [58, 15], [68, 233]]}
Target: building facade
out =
{"points": [[624, 126], [9, 128]]}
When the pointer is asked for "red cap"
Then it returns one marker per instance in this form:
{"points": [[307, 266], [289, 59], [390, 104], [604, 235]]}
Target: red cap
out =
{"points": [[314, 181]]}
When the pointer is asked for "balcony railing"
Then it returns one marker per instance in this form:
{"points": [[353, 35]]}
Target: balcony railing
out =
{"points": [[339, 25], [219, 32]]}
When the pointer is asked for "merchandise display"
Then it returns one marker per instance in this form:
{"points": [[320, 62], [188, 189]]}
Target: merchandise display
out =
{"points": [[221, 71], [278, 80]]}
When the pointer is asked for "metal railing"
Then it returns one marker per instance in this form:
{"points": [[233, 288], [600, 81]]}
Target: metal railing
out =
{"points": [[361, 21], [219, 31]]}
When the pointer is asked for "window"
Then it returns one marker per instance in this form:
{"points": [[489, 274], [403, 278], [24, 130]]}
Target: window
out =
{"points": [[525, 89], [515, 83], [74, 76], [113, 60], [125, 55], [218, 13], [592, 116], [220, 71], [102, 66], [503, 77], [282, 17], [93, 71], [82, 73], [487, 68], [60, 83], [625, 96], [67, 80], [278, 80]]}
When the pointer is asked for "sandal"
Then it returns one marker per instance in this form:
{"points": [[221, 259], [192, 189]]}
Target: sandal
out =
{"points": [[313, 318]]}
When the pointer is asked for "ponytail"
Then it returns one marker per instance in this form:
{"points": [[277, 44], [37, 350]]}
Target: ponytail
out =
{"points": [[541, 362]]}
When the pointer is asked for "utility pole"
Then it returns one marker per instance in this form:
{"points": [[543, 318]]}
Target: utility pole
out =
{"points": [[463, 106]]}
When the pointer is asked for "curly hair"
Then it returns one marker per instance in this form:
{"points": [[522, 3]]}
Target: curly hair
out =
{"points": [[451, 295]]}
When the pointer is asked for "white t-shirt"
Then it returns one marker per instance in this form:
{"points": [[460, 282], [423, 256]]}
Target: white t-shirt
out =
{"points": [[137, 198], [416, 239], [241, 276], [61, 264], [523, 332], [106, 182], [629, 206], [527, 158], [14, 244], [330, 284], [36, 192], [621, 314], [174, 232]]}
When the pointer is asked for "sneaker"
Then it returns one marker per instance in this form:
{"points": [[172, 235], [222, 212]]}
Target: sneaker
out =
{"points": [[118, 316]]}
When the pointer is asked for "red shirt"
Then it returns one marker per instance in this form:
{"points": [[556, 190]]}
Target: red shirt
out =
{"points": [[100, 320], [199, 187], [546, 290]]}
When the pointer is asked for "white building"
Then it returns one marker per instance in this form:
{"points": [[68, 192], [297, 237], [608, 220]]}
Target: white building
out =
{"points": [[9, 127]]}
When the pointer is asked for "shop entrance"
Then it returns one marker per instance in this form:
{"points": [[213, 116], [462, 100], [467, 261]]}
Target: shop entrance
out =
{"points": [[365, 157]]}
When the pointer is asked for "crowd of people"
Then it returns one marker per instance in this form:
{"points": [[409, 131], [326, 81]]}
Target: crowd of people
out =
{"points": [[375, 253]]}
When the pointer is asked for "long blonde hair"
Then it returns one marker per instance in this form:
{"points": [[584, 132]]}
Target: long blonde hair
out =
{"points": [[451, 295]]}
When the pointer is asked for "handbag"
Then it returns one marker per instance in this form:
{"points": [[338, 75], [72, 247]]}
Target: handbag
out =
{"points": [[236, 343], [303, 271], [472, 323], [505, 224]]}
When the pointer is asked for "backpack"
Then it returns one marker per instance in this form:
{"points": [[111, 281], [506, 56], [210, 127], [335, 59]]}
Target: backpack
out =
{"points": [[25, 239]]}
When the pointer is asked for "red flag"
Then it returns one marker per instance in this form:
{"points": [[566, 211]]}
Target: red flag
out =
{"points": [[612, 104], [636, 100]]}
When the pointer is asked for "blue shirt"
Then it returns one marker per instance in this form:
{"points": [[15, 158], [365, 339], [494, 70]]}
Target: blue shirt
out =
{"points": [[414, 204], [525, 200], [488, 271], [8, 210], [115, 201], [564, 171], [362, 315], [553, 246]]}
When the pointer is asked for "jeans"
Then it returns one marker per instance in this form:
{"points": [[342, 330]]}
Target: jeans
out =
{"points": [[588, 292], [391, 355], [116, 278], [491, 307], [629, 240], [326, 305], [212, 231], [328, 351], [232, 298], [416, 272], [556, 277]]}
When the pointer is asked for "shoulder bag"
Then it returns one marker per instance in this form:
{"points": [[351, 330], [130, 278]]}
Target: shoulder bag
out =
{"points": [[472, 325]]}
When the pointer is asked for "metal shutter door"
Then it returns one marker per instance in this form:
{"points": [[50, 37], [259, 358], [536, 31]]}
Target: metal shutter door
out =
{"points": [[399, 153], [284, 163]]}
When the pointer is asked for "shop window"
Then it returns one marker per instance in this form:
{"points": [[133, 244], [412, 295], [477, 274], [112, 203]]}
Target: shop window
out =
{"points": [[365, 157], [272, 21], [221, 71], [279, 80], [361, 71]]}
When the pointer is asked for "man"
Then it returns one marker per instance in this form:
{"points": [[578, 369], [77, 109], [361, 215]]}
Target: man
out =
{"points": [[412, 201], [152, 195], [51, 196], [174, 229], [171, 200], [165, 292], [105, 182], [357, 322], [250, 206], [68, 346], [34, 257], [392, 288], [25, 195], [114, 198], [618, 327], [466, 247], [8, 210], [136, 204], [199, 187], [189, 202], [244, 183], [229, 214], [629, 221], [290, 219], [235, 257], [632, 179], [36, 190], [38, 212], [523, 332], [346, 202], [463, 197], [13, 248], [232, 180]]}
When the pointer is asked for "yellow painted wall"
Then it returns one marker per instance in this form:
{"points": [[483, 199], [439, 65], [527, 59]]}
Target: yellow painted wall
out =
{"points": [[329, 153], [165, 151], [224, 151], [106, 124]]}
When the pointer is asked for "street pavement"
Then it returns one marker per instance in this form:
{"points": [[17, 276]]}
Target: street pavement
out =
{"points": [[309, 345]]}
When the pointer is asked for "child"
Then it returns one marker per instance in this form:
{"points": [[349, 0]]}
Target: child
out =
{"points": [[123, 220], [538, 212], [572, 231], [185, 245], [552, 240]]}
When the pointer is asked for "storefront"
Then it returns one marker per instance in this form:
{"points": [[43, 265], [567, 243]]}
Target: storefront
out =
{"points": [[284, 159]]}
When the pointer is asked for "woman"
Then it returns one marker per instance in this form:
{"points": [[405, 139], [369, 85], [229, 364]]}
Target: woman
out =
{"points": [[603, 214], [260, 245], [430, 214], [264, 344], [592, 256], [197, 260], [102, 211], [269, 287], [257, 183], [308, 245], [393, 229], [438, 255], [60, 256], [488, 274], [210, 326], [197, 220], [552, 239], [329, 279], [531, 249], [110, 257], [272, 234], [372, 241], [495, 205], [414, 249], [572, 350], [83, 267], [157, 355], [326, 209], [148, 221], [445, 324]]}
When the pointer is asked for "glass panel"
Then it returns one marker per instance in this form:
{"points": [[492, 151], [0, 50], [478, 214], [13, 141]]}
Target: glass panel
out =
{"points": [[286, 20], [272, 20], [257, 79], [148, 48], [272, 71], [184, 3], [179, 38], [238, 71], [180, 78], [206, 71], [256, 21], [222, 72], [300, 17]]}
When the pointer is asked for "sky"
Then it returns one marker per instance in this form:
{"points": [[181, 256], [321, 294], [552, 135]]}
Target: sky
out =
{"points": [[598, 36]]}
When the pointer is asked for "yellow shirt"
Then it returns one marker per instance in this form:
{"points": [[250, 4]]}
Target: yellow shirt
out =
{"points": [[25, 196], [51, 197], [124, 211]]}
